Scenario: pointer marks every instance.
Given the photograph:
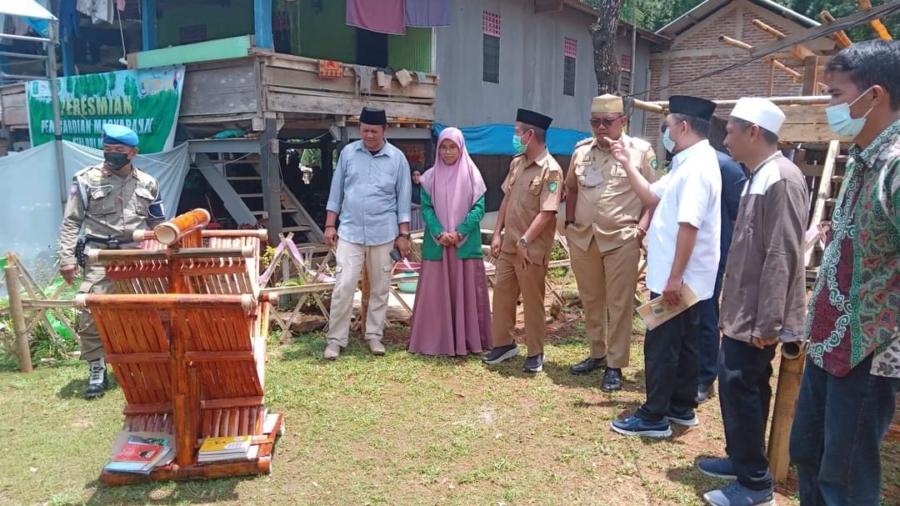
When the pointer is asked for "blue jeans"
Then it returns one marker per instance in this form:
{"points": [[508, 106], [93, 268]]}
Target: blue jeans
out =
{"points": [[837, 433], [708, 334]]}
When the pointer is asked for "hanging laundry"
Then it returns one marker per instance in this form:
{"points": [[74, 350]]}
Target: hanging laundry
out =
{"points": [[98, 10], [427, 13], [420, 76], [363, 78], [382, 16]]}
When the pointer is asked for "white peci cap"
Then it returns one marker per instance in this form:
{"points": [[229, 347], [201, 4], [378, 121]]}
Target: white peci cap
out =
{"points": [[759, 111]]}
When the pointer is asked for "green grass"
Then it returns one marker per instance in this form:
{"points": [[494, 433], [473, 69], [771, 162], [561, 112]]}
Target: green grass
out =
{"points": [[398, 430]]}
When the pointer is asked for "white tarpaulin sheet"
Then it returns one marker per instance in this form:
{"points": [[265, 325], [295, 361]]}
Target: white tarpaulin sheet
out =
{"points": [[30, 209], [24, 8]]}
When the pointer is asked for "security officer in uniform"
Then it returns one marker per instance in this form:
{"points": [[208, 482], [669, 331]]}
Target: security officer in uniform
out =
{"points": [[109, 201], [605, 223], [528, 216]]}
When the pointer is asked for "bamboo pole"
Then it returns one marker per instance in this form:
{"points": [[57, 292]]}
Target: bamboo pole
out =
{"points": [[18, 317], [789, 376], [784, 68], [735, 43], [364, 304], [841, 36], [768, 29], [876, 24], [771, 85]]}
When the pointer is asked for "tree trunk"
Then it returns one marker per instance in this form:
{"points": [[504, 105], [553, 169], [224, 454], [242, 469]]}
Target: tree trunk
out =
{"points": [[606, 65]]}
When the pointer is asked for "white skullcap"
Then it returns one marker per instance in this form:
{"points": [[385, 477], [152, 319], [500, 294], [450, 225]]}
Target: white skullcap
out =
{"points": [[759, 111]]}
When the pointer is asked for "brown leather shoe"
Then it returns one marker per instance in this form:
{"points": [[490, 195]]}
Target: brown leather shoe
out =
{"points": [[332, 351], [376, 347]]}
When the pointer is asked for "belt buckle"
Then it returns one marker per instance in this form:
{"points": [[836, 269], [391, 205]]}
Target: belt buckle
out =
{"points": [[112, 243]]}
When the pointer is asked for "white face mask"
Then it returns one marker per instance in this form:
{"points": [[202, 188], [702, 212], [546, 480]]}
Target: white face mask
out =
{"points": [[841, 121], [668, 142]]}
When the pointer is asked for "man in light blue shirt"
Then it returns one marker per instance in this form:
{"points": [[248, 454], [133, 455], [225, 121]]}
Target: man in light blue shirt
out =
{"points": [[371, 196]]}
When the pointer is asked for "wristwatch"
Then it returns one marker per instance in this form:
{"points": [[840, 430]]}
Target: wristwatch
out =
{"points": [[404, 235], [522, 242]]}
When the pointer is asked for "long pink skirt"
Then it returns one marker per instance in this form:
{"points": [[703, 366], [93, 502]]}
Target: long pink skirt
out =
{"points": [[452, 315]]}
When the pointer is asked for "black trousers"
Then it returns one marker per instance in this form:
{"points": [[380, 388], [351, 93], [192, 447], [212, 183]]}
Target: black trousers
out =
{"points": [[671, 366], [745, 394]]}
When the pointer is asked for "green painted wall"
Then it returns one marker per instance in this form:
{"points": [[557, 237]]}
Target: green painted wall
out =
{"points": [[232, 19], [323, 34], [411, 51]]}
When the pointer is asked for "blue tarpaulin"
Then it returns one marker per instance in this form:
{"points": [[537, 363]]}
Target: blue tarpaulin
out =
{"points": [[497, 139]]}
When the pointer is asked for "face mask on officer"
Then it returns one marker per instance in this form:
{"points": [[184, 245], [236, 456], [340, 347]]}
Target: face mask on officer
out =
{"points": [[116, 160]]}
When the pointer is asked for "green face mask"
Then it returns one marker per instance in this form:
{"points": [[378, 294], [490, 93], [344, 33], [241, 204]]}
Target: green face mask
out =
{"points": [[518, 147]]}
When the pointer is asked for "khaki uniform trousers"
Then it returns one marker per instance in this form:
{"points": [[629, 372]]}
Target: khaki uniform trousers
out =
{"points": [[607, 282], [350, 258], [94, 282], [512, 279]]}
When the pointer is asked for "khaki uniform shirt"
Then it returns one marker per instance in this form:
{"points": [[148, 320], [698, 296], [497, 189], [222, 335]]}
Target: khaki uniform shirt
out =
{"points": [[108, 206], [531, 187], [607, 209]]}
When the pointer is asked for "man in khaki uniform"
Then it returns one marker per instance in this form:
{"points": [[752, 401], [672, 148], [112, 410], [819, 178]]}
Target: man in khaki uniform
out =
{"points": [[109, 201], [528, 215], [605, 223]]}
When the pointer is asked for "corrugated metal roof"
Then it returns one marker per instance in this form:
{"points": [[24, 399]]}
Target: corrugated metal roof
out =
{"points": [[710, 7]]}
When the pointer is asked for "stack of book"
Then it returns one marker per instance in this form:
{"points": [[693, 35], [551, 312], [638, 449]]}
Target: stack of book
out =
{"points": [[140, 453], [215, 449]]}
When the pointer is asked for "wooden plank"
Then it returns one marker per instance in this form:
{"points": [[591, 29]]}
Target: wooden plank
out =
{"points": [[810, 75], [309, 79], [210, 50], [221, 91], [808, 133], [284, 102], [834, 149]]}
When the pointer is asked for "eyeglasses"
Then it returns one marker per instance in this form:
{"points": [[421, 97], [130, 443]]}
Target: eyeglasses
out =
{"points": [[595, 122], [449, 149]]}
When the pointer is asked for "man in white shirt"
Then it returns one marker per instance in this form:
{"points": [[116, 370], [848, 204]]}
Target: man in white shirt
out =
{"points": [[682, 248]]}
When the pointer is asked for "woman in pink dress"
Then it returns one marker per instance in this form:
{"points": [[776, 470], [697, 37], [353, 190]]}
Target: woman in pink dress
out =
{"points": [[452, 314]]}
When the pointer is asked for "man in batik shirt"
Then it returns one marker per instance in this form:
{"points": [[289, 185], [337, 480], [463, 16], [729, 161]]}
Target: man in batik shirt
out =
{"points": [[852, 375]]}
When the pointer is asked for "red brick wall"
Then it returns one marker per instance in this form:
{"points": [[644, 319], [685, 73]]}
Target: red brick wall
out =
{"points": [[748, 80]]}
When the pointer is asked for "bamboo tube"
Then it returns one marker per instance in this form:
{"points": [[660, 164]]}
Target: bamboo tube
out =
{"points": [[364, 304], [840, 37], [788, 390], [784, 68], [661, 106], [768, 29], [173, 230], [143, 235], [736, 43], [18, 317]]}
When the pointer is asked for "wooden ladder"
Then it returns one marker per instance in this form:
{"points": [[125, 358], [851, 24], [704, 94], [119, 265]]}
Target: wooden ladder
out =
{"points": [[290, 205]]}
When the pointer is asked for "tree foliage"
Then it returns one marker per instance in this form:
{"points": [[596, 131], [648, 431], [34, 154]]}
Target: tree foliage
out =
{"points": [[655, 14]]}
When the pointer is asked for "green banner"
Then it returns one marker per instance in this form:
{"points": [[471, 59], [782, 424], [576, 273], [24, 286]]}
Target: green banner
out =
{"points": [[147, 101]]}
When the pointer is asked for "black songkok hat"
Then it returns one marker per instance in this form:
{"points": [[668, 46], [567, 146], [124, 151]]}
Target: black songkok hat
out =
{"points": [[372, 116], [692, 106], [534, 119]]}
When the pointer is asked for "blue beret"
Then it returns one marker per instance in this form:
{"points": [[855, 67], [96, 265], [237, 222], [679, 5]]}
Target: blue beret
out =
{"points": [[118, 134]]}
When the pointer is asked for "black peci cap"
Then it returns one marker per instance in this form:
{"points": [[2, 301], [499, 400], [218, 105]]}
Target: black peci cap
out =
{"points": [[692, 106], [372, 116], [534, 119]]}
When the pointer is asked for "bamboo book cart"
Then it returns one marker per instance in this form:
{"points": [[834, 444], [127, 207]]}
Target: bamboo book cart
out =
{"points": [[186, 336]]}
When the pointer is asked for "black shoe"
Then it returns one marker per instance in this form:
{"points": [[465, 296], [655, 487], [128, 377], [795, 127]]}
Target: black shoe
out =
{"points": [[500, 354], [612, 380], [704, 393], [98, 382], [534, 364], [588, 365]]}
